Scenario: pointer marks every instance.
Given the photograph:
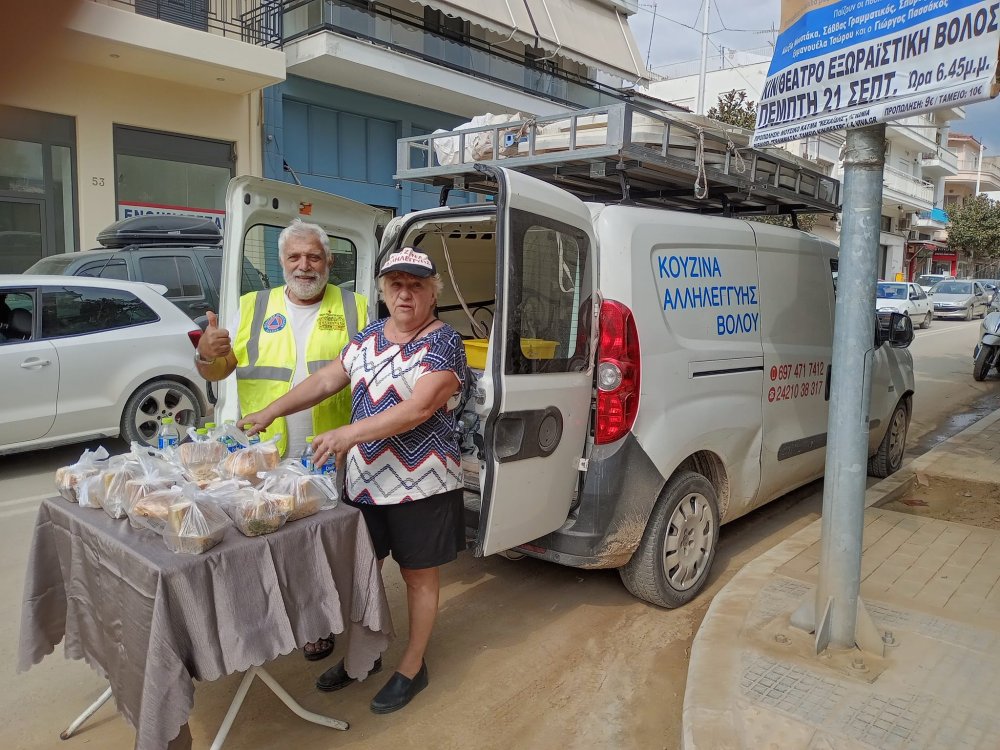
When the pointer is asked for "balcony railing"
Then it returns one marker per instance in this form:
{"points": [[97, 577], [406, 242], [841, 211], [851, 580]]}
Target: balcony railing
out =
{"points": [[397, 30], [907, 184], [253, 21], [946, 156]]}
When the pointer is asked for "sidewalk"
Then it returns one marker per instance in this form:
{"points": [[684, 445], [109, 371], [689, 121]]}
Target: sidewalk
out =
{"points": [[932, 588]]}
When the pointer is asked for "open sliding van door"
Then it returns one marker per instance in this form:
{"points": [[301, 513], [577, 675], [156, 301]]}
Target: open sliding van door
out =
{"points": [[540, 361], [257, 210]]}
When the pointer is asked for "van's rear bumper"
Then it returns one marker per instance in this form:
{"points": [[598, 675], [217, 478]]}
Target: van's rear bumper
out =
{"points": [[619, 490]]}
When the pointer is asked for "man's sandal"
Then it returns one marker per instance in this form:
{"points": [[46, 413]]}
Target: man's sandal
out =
{"points": [[320, 649]]}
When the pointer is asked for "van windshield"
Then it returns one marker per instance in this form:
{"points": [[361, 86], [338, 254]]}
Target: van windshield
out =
{"points": [[892, 291]]}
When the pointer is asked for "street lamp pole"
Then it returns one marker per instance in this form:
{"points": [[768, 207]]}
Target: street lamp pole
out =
{"points": [[704, 60]]}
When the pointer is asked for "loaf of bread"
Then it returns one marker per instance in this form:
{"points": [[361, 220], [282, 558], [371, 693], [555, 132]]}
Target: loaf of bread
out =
{"points": [[201, 458], [262, 513], [309, 498], [68, 479], [245, 464], [193, 528]]}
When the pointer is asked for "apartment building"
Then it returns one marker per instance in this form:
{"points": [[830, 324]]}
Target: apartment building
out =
{"points": [[145, 106], [918, 160], [362, 74]]}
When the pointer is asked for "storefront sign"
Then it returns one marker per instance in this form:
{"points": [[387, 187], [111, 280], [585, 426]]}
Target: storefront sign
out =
{"points": [[128, 209], [847, 63]]}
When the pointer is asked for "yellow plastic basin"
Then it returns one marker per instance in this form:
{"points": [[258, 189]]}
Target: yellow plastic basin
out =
{"points": [[475, 350]]}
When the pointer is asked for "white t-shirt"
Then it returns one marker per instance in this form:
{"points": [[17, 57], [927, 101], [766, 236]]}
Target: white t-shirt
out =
{"points": [[301, 318]]}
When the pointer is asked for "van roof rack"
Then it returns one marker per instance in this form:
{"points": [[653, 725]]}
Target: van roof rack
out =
{"points": [[623, 153], [160, 229]]}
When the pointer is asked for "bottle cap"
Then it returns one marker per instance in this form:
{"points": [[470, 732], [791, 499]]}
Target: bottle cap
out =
{"points": [[209, 425], [201, 431], [168, 420], [310, 438]]}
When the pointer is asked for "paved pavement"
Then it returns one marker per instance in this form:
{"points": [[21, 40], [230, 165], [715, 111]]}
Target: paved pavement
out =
{"points": [[932, 588]]}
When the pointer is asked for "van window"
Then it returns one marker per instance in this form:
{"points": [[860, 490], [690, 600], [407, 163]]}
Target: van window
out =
{"points": [[260, 247], [548, 320], [176, 272], [251, 279]]}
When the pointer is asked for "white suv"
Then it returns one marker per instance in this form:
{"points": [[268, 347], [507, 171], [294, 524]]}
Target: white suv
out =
{"points": [[83, 358]]}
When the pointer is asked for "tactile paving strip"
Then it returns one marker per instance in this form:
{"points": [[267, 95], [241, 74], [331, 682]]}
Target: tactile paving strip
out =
{"points": [[790, 689]]}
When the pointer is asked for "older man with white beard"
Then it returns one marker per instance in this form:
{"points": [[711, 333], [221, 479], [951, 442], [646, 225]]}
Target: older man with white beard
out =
{"points": [[286, 333], [283, 335]]}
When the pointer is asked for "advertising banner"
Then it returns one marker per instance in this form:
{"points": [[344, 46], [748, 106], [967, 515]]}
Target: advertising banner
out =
{"points": [[847, 63], [128, 209]]}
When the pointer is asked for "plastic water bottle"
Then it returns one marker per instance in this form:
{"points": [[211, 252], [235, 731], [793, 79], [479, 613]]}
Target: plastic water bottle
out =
{"points": [[307, 455], [226, 439], [201, 435], [255, 438], [211, 430], [168, 437], [329, 468]]}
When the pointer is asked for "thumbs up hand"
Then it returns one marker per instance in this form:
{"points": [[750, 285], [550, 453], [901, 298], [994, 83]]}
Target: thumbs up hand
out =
{"points": [[215, 341]]}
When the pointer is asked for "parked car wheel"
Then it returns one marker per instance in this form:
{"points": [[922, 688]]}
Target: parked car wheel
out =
{"points": [[968, 312], [928, 318], [146, 408], [889, 456], [675, 555]]}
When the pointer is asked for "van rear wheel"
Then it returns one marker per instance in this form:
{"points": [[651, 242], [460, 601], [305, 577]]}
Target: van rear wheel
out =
{"points": [[673, 559]]}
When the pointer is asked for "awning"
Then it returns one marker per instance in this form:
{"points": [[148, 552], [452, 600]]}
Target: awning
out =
{"points": [[588, 32], [507, 17], [582, 30]]}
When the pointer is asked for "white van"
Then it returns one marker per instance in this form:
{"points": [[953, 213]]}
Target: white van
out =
{"points": [[642, 375]]}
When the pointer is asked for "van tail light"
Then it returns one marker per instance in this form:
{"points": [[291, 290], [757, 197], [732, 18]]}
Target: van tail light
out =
{"points": [[617, 373], [195, 337]]}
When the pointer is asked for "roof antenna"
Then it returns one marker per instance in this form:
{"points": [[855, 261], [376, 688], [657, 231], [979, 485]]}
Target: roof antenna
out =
{"points": [[291, 171]]}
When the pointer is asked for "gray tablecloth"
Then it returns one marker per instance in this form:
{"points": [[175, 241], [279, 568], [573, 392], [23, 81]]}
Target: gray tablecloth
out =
{"points": [[151, 621]]}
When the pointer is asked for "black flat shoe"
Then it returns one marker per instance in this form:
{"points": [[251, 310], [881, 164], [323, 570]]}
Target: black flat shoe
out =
{"points": [[399, 691], [336, 677], [324, 651]]}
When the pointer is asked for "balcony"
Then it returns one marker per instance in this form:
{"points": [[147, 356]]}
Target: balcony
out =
{"points": [[941, 162], [917, 133], [910, 192], [390, 53], [929, 221], [969, 173], [214, 44]]}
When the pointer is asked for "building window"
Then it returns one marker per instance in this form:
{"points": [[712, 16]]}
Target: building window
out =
{"points": [[37, 187], [167, 173], [885, 224]]}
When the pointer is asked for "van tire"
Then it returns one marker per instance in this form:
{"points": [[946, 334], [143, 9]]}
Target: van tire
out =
{"points": [[686, 516], [145, 409], [927, 320], [889, 456]]}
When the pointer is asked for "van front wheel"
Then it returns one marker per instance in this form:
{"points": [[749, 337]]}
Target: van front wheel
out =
{"points": [[889, 456], [672, 561]]}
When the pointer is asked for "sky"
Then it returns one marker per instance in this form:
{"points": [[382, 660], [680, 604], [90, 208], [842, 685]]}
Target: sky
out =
{"points": [[672, 33]]}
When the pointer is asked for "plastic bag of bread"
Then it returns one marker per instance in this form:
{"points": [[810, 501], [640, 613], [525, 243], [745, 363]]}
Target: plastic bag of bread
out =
{"points": [[310, 493], [153, 472], [246, 463], [256, 513], [200, 456], [151, 510], [69, 478], [194, 525]]}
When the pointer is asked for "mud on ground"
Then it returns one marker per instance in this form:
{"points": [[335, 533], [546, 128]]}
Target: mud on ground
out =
{"points": [[960, 501]]}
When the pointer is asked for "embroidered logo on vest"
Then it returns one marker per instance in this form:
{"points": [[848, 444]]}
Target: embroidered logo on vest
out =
{"points": [[331, 322], [275, 323]]}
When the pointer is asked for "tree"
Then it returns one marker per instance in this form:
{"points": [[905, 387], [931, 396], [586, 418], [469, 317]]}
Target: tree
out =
{"points": [[736, 108], [974, 227]]}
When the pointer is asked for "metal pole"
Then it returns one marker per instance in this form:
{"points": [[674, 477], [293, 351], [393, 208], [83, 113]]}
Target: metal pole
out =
{"points": [[704, 60], [853, 352], [979, 168]]}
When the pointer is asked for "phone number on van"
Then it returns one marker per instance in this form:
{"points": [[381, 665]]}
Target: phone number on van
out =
{"points": [[795, 390]]}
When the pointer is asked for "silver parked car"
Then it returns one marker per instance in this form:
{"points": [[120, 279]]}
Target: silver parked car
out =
{"points": [[959, 299], [83, 358]]}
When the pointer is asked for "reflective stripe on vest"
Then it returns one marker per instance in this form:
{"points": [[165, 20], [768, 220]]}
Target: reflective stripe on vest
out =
{"points": [[260, 384]]}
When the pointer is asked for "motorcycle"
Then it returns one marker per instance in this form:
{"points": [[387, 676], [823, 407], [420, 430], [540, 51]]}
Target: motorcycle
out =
{"points": [[987, 353]]}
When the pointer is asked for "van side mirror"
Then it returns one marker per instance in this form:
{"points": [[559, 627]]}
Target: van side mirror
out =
{"points": [[895, 329]]}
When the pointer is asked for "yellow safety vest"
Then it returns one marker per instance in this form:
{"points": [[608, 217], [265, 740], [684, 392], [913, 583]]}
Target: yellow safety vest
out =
{"points": [[265, 353]]}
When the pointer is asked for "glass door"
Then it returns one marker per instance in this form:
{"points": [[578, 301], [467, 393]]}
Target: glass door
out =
{"points": [[22, 235]]}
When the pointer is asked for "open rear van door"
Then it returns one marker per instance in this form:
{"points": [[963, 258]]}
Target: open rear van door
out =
{"points": [[540, 361], [256, 211]]}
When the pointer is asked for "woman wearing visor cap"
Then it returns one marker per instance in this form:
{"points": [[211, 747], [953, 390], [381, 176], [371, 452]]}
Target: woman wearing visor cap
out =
{"points": [[402, 456]]}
